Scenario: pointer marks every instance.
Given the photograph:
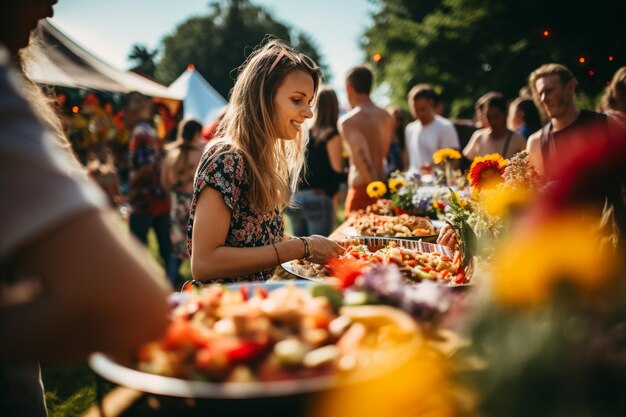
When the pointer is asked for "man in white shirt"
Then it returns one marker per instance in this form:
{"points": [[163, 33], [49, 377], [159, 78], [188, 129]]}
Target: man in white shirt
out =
{"points": [[429, 132]]}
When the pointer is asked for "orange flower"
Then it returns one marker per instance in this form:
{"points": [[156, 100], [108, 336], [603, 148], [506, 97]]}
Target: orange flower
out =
{"points": [[487, 171]]}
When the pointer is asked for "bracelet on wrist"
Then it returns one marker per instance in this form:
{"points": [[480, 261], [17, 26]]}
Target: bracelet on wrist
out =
{"points": [[307, 248], [276, 252]]}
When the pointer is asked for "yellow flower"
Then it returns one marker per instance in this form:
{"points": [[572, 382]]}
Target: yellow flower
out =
{"points": [[376, 189], [423, 385], [445, 155], [569, 249], [500, 201], [395, 184]]}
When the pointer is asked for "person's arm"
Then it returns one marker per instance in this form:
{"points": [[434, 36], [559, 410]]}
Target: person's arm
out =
{"points": [[211, 259], [167, 177], [334, 148], [471, 149], [358, 149], [101, 291], [533, 146]]}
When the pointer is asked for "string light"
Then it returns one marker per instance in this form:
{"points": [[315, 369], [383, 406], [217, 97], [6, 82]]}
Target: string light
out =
{"points": [[582, 60], [592, 73], [75, 109], [377, 57], [610, 58], [546, 33]]}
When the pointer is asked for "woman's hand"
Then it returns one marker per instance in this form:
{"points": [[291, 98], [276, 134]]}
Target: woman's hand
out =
{"points": [[447, 237], [323, 249]]}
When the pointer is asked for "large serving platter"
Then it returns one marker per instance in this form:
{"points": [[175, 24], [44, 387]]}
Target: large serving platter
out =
{"points": [[120, 371], [373, 243], [351, 231]]}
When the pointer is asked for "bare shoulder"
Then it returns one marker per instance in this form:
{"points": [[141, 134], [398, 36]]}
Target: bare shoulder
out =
{"points": [[534, 140]]}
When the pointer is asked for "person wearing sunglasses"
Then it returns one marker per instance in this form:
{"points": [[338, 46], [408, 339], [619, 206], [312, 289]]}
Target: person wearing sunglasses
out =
{"points": [[70, 282], [249, 172]]}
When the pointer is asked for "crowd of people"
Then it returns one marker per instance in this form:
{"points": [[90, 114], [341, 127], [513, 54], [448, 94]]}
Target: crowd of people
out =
{"points": [[220, 203]]}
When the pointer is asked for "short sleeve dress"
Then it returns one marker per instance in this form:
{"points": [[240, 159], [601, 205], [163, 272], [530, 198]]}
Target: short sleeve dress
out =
{"points": [[226, 172]]}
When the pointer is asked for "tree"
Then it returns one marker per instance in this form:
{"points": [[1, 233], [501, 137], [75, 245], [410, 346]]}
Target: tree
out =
{"points": [[467, 47], [144, 59], [218, 43]]}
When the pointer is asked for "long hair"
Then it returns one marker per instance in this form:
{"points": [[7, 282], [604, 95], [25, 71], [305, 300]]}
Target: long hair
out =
{"points": [[187, 131], [617, 87], [273, 166], [327, 113], [531, 117]]}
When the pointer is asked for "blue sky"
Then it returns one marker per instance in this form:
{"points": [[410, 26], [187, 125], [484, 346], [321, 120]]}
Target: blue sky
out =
{"points": [[109, 28]]}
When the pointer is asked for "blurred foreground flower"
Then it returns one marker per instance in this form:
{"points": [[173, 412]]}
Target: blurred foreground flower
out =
{"points": [[566, 249], [420, 386], [501, 202]]}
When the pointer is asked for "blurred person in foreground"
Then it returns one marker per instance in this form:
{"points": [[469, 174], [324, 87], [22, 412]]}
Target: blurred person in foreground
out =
{"points": [[249, 171], [314, 210], [570, 132], [367, 129], [70, 282], [179, 167], [429, 132]]}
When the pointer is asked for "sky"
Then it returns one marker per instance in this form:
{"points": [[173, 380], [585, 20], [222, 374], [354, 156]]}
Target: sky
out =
{"points": [[109, 28]]}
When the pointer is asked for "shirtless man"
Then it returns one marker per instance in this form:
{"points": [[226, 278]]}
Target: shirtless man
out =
{"points": [[367, 129]]}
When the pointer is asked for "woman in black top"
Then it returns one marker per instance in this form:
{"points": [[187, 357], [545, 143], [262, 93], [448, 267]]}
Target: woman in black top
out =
{"points": [[313, 213]]}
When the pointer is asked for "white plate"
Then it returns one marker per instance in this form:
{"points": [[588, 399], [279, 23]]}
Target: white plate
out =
{"points": [[111, 370]]}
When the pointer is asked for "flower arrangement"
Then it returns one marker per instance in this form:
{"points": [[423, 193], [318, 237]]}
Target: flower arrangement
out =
{"points": [[402, 194]]}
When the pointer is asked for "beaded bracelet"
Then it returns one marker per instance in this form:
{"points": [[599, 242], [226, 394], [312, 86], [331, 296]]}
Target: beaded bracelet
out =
{"points": [[307, 248], [276, 252]]}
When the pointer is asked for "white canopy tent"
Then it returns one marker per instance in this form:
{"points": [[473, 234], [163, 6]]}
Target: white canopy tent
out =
{"points": [[200, 100], [59, 60]]}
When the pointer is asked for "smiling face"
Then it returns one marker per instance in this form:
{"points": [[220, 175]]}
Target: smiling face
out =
{"points": [[19, 18], [555, 95], [292, 104]]}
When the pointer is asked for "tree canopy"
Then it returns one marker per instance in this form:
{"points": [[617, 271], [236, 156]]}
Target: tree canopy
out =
{"points": [[465, 48], [218, 43]]}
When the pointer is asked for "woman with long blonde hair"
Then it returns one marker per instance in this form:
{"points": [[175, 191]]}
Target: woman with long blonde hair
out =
{"points": [[248, 174]]}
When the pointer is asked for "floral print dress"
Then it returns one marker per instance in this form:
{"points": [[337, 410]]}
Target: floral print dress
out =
{"points": [[227, 174]]}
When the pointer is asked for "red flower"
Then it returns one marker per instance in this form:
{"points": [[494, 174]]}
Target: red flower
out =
{"points": [[486, 174]]}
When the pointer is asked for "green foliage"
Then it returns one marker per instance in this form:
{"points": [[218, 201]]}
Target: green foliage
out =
{"points": [[465, 48], [466, 237], [218, 43]]}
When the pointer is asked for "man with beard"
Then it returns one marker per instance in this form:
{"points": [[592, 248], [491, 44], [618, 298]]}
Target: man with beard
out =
{"points": [[570, 133]]}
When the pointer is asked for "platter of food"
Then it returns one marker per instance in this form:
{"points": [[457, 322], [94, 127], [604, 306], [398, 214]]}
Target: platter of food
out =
{"points": [[259, 340], [404, 226], [417, 260]]}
